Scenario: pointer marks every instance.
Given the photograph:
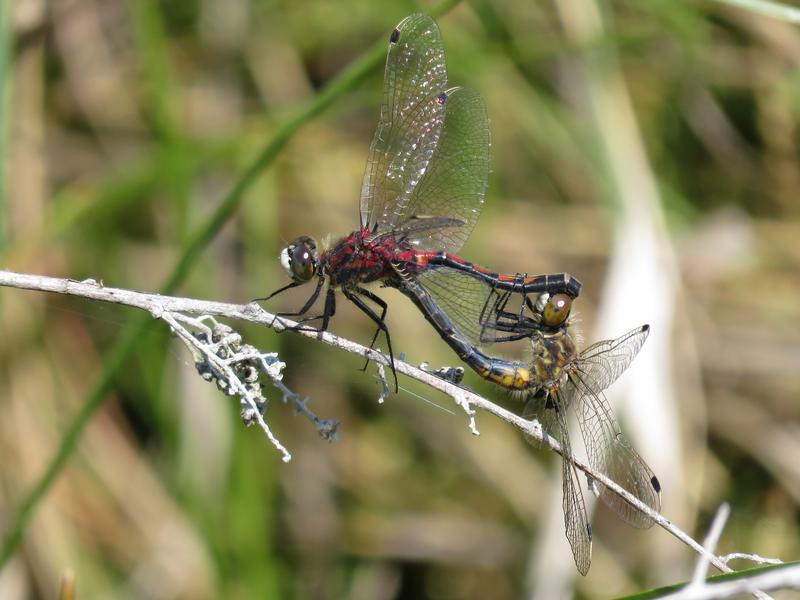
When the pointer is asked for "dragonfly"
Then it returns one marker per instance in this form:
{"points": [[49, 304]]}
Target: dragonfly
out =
{"points": [[571, 380], [556, 379], [423, 190]]}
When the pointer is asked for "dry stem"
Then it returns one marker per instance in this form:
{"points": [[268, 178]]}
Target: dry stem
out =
{"points": [[166, 307]]}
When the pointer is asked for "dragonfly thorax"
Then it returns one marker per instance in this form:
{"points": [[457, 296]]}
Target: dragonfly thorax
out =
{"points": [[553, 356], [363, 257]]}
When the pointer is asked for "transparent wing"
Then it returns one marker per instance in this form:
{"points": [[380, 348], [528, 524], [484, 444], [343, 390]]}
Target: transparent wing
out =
{"points": [[550, 410], [608, 450], [542, 408], [419, 226], [607, 360], [410, 122], [454, 184], [468, 301]]}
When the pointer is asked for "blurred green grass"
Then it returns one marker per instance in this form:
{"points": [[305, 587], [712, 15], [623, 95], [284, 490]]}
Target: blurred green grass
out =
{"points": [[129, 126]]}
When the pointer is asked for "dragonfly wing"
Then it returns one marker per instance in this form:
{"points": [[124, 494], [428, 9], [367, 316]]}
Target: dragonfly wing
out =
{"points": [[576, 519], [608, 450], [607, 360], [626, 467], [550, 409], [419, 226], [542, 408], [454, 184], [410, 122], [468, 301]]}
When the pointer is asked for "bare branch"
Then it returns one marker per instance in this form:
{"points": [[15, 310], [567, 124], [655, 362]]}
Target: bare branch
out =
{"points": [[710, 544], [759, 560], [224, 365], [776, 579], [469, 401]]}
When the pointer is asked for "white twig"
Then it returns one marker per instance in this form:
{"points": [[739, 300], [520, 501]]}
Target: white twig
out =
{"points": [[776, 579], [237, 386], [761, 560], [710, 544], [464, 401], [384, 384], [469, 401], [699, 588]]}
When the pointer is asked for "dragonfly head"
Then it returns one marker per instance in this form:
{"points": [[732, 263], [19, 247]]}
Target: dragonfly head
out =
{"points": [[554, 349], [554, 310], [300, 259]]}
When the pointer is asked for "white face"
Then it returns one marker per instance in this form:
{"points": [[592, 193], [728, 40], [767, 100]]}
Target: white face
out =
{"points": [[285, 261]]}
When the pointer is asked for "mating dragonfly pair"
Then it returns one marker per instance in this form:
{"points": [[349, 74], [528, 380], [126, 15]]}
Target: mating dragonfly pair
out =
{"points": [[422, 193]]}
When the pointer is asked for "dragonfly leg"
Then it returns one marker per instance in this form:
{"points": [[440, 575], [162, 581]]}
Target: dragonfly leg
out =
{"points": [[493, 299], [384, 307], [353, 294], [501, 305], [305, 308], [502, 320], [327, 313], [278, 291], [329, 310], [515, 322], [517, 325]]}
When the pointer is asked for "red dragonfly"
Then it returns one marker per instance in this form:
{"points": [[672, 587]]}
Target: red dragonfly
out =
{"points": [[422, 193]]}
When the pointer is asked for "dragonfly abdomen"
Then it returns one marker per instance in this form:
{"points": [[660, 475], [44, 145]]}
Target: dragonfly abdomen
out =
{"points": [[520, 282], [511, 375]]}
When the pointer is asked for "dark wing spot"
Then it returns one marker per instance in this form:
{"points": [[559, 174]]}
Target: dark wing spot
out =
{"points": [[395, 36], [655, 483], [589, 530], [441, 98]]}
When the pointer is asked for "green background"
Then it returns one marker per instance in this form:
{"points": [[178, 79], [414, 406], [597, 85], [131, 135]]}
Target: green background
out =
{"points": [[126, 125]]}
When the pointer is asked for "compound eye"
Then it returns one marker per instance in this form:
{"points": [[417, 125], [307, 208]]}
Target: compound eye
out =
{"points": [[556, 310], [300, 259]]}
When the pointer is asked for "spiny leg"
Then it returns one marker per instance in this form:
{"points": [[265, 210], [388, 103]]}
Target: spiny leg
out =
{"points": [[351, 295], [486, 322], [309, 303], [495, 308], [327, 312], [381, 323], [293, 284], [503, 320], [305, 308], [529, 304], [384, 307], [518, 325]]}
